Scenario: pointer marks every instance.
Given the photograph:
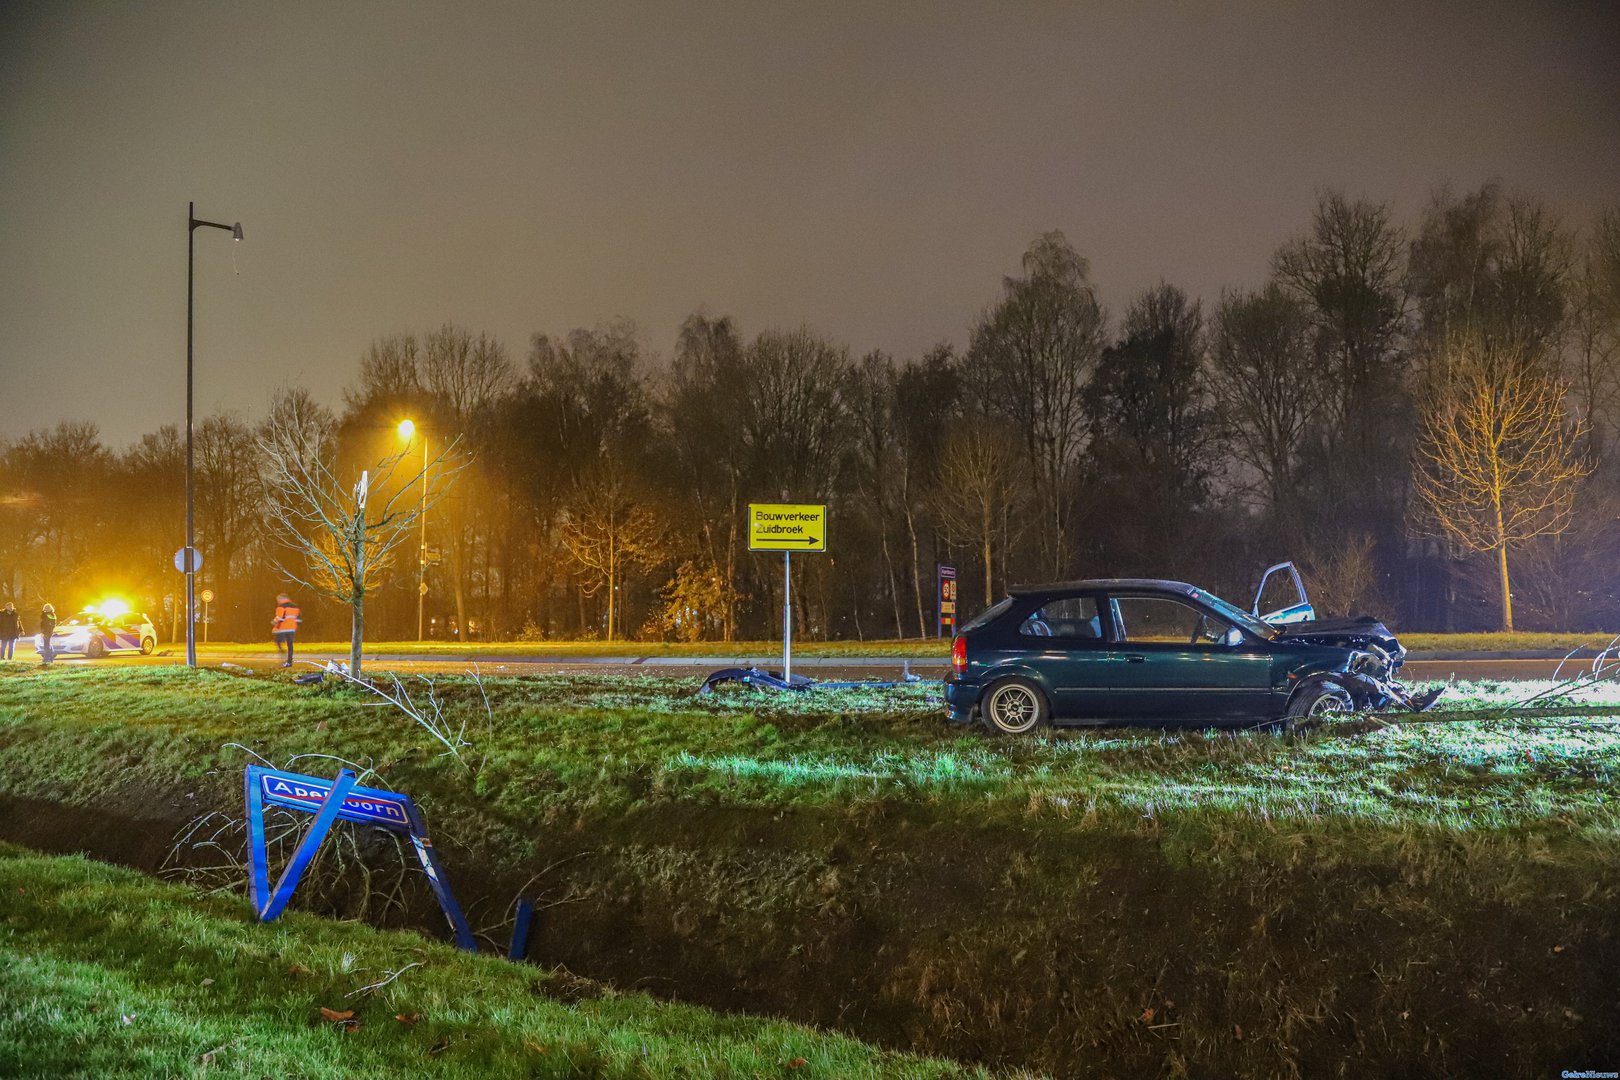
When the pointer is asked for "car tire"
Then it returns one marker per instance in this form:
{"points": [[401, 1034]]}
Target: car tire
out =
{"points": [[147, 646], [1317, 702], [96, 649], [1014, 706]]}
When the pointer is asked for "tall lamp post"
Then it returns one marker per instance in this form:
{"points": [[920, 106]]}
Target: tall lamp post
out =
{"points": [[407, 428], [191, 540]]}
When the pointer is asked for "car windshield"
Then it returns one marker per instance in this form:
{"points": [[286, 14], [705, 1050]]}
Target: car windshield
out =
{"points": [[1238, 616]]}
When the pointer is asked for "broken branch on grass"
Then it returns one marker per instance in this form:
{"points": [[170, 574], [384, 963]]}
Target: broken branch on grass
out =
{"points": [[384, 982]]}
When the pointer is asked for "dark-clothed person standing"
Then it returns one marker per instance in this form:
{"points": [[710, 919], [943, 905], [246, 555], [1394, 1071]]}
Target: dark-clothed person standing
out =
{"points": [[47, 627], [284, 626], [10, 630]]}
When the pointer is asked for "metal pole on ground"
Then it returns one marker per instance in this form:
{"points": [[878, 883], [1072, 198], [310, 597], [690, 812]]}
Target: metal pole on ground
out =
{"points": [[787, 616]]}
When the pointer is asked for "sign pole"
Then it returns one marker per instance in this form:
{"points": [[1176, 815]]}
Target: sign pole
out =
{"points": [[787, 616]]}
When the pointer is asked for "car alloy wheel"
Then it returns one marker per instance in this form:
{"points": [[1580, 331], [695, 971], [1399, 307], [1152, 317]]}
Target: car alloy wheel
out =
{"points": [[147, 645], [1327, 705], [1314, 704], [1014, 707]]}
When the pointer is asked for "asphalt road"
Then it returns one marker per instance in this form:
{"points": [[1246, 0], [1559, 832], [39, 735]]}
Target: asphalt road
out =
{"points": [[827, 668]]}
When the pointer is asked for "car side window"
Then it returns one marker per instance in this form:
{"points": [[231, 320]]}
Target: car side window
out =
{"points": [[1072, 618], [1160, 619]]}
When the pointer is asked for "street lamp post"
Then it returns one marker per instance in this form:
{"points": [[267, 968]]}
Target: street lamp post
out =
{"points": [[407, 428], [191, 550]]}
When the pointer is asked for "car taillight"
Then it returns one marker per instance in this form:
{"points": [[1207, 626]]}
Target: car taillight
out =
{"points": [[959, 655]]}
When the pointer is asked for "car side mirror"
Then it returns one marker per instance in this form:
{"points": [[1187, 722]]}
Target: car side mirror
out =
{"points": [[1234, 637]]}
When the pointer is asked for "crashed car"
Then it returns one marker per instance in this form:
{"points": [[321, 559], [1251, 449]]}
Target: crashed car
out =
{"points": [[1132, 650]]}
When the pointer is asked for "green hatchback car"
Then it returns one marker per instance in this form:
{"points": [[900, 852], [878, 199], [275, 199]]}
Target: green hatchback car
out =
{"points": [[1139, 650]]}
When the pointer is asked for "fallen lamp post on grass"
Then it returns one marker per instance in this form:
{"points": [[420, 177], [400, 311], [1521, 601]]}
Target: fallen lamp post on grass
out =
{"points": [[772, 680]]}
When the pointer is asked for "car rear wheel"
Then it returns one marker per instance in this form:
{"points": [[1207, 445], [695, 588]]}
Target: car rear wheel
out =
{"points": [[1316, 703], [147, 645], [1014, 707], [95, 650]]}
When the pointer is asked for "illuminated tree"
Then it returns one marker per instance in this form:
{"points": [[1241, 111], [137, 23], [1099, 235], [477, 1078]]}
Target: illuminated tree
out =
{"points": [[1497, 463], [610, 531], [344, 538]]}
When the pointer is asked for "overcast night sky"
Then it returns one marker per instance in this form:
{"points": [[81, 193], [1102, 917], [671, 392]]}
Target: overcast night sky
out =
{"points": [[871, 170]]}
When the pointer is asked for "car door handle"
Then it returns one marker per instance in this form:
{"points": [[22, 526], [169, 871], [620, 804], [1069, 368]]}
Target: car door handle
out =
{"points": [[1135, 658]]}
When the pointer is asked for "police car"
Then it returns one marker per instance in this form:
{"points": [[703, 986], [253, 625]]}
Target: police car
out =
{"points": [[97, 632]]}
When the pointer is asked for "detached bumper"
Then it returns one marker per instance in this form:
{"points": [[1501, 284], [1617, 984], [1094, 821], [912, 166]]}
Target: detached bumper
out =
{"points": [[961, 699]]}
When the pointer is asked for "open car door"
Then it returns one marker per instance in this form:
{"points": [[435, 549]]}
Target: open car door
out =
{"points": [[1286, 601]]}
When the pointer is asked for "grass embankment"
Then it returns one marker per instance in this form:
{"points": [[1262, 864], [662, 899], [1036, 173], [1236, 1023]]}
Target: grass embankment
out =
{"points": [[1505, 642], [106, 973], [1432, 899]]}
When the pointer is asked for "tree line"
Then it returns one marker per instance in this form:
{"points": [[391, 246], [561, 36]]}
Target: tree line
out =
{"points": [[1423, 414]]}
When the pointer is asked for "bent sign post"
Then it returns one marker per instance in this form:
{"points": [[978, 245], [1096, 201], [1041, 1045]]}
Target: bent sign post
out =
{"points": [[330, 800], [787, 527]]}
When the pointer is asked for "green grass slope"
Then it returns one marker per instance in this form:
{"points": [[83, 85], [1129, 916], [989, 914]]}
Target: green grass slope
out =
{"points": [[106, 973]]}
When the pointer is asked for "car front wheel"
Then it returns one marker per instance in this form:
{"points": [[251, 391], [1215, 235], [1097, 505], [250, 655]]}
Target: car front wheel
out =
{"points": [[1316, 703], [95, 650], [147, 645], [1014, 707]]}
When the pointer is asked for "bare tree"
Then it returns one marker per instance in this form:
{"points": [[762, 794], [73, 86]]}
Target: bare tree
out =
{"points": [[1497, 463], [390, 370], [1268, 389], [344, 543], [1349, 272], [1592, 363], [609, 532], [229, 509], [1030, 357], [707, 443], [978, 489], [464, 377]]}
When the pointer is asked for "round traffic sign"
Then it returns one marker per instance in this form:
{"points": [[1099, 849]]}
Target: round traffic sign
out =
{"points": [[206, 596], [180, 560]]}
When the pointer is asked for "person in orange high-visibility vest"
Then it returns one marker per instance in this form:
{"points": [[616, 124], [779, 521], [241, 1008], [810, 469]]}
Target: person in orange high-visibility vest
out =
{"points": [[284, 625]]}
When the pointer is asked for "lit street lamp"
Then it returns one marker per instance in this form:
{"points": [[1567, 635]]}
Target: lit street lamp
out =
{"points": [[407, 428], [190, 557]]}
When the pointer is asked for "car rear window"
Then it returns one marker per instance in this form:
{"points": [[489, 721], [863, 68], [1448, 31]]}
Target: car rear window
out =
{"points": [[1069, 617], [987, 616]]}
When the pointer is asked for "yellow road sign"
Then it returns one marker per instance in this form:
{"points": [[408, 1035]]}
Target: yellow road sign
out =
{"points": [[787, 527]]}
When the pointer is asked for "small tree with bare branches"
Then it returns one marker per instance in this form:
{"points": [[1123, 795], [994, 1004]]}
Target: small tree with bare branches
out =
{"points": [[1497, 461], [345, 533], [610, 531], [980, 481]]}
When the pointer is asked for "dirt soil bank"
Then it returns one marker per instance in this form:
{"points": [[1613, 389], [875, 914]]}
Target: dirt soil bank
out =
{"points": [[1079, 951]]}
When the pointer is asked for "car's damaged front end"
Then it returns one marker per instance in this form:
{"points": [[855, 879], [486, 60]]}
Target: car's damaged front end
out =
{"points": [[1372, 660]]}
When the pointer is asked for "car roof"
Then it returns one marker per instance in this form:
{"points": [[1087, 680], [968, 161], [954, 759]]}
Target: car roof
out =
{"points": [[1180, 588]]}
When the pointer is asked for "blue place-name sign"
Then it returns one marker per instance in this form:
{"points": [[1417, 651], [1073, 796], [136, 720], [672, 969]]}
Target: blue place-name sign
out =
{"points": [[368, 806], [328, 801]]}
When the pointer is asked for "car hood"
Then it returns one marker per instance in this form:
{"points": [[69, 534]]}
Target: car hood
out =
{"points": [[1346, 633]]}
